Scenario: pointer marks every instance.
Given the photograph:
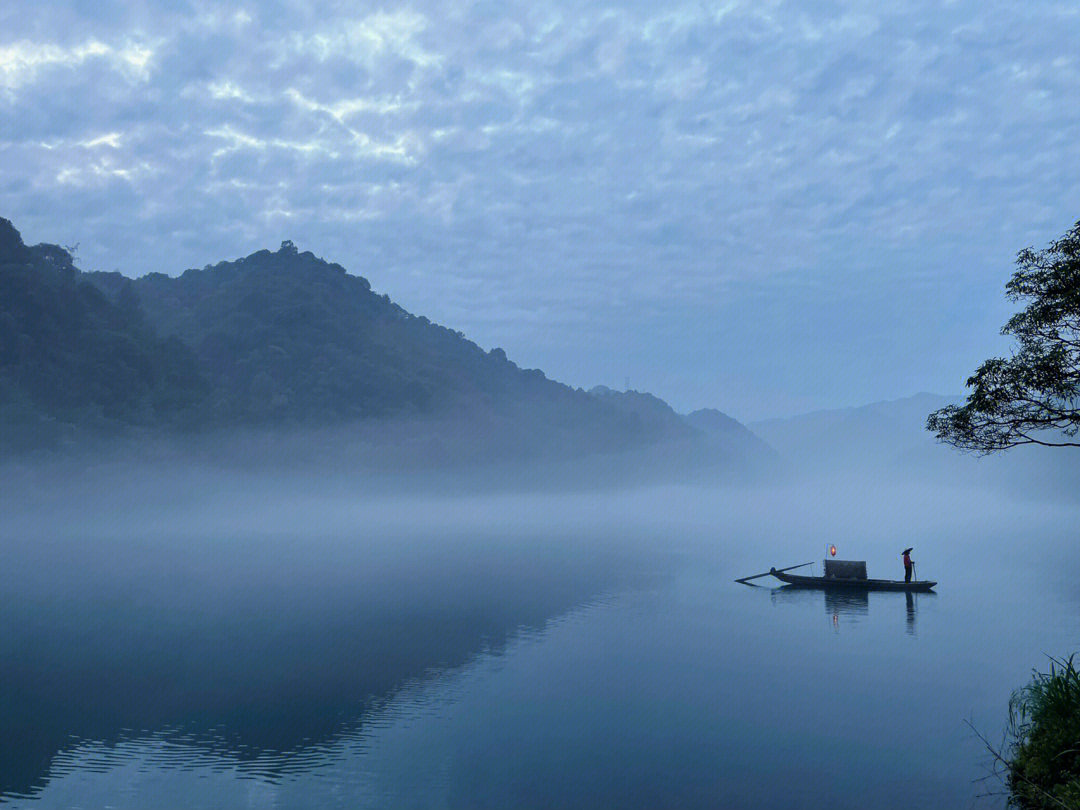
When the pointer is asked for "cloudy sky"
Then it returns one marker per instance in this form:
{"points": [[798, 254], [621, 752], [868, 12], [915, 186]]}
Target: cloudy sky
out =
{"points": [[766, 207]]}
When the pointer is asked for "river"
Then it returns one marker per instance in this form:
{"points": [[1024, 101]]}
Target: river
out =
{"points": [[522, 650]]}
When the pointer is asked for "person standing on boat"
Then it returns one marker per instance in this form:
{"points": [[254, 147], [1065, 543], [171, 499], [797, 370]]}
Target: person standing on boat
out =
{"points": [[907, 564]]}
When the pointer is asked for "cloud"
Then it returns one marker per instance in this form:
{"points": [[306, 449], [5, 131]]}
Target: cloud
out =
{"points": [[23, 62], [372, 39]]}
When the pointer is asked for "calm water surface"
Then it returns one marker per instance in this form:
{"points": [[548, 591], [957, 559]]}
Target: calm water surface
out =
{"points": [[522, 651]]}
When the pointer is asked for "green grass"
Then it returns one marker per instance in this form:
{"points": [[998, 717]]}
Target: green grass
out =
{"points": [[1044, 730]]}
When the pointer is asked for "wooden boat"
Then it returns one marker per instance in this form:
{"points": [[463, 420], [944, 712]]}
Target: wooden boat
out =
{"points": [[853, 583]]}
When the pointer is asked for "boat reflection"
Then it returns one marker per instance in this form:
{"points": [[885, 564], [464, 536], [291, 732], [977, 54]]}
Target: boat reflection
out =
{"points": [[855, 603], [850, 604]]}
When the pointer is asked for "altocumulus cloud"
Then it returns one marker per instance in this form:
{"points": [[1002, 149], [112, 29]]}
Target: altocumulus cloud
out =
{"points": [[755, 205]]}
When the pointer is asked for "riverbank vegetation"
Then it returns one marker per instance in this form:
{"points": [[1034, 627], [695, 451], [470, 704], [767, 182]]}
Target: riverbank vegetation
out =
{"points": [[1043, 758]]}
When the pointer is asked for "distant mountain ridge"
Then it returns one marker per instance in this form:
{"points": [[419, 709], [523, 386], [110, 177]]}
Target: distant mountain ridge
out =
{"points": [[890, 439], [879, 434]]}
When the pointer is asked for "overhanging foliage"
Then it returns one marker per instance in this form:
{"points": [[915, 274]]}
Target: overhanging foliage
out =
{"points": [[1032, 397]]}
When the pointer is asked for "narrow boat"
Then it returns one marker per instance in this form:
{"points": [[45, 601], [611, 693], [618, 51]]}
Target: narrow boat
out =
{"points": [[843, 574], [853, 583]]}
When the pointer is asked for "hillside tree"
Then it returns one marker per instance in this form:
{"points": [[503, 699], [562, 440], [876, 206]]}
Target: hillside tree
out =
{"points": [[1033, 396]]}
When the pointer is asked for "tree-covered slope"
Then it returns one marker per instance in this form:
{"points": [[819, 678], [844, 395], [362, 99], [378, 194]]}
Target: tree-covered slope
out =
{"points": [[71, 355], [286, 338], [282, 341], [647, 409], [721, 427], [281, 355]]}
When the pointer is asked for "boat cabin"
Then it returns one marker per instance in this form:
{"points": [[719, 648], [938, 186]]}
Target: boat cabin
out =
{"points": [[845, 569]]}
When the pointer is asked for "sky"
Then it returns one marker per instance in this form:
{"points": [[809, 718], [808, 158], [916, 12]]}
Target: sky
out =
{"points": [[763, 207]]}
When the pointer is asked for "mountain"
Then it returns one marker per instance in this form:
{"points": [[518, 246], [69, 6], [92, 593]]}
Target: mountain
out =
{"points": [[285, 337], [703, 440], [722, 427], [294, 348]]}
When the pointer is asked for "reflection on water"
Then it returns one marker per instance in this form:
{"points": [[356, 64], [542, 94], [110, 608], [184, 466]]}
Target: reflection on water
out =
{"points": [[850, 603], [255, 652]]}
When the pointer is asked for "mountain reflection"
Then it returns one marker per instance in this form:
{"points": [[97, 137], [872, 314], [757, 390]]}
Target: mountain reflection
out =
{"points": [[245, 648]]}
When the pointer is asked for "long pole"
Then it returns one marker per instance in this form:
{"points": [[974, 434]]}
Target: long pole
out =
{"points": [[744, 580]]}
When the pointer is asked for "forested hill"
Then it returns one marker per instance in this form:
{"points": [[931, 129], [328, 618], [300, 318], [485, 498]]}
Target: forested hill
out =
{"points": [[73, 358], [275, 339]]}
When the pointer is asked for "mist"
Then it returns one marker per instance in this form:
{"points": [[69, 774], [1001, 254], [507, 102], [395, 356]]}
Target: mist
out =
{"points": [[271, 599]]}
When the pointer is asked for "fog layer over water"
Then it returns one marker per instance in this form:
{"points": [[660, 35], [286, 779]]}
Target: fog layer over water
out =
{"points": [[221, 639]]}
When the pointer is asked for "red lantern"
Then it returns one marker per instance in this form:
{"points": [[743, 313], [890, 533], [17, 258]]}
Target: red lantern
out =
{"points": [[832, 550]]}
